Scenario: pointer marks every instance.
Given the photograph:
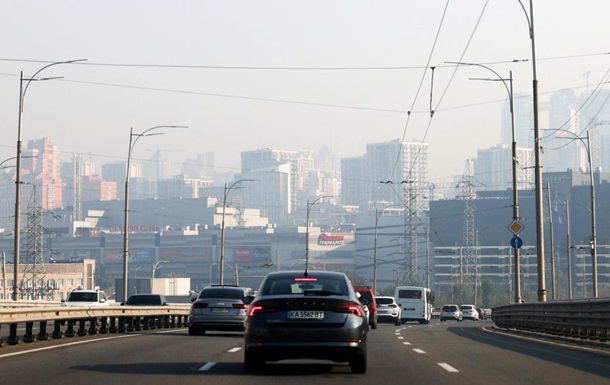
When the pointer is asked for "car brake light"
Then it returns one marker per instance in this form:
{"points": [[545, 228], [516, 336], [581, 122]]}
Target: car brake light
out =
{"points": [[354, 309], [305, 280], [254, 310], [240, 306], [200, 305]]}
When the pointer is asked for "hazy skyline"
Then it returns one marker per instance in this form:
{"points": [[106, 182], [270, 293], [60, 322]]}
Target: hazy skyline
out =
{"points": [[292, 75]]}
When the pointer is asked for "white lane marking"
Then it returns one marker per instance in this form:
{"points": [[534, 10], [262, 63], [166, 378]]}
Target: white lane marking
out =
{"points": [[68, 344], [406, 343], [234, 350], [207, 366], [448, 367], [401, 338], [419, 351], [397, 333]]}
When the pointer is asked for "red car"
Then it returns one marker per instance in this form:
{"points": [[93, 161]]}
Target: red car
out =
{"points": [[367, 297]]}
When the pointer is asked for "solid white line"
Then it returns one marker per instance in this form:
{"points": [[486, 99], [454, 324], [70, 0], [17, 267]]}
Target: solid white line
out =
{"points": [[448, 367], [406, 343], [419, 351], [68, 344], [207, 366], [234, 350]]}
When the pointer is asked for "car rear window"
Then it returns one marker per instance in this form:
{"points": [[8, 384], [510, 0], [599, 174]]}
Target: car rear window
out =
{"points": [[298, 285], [449, 308], [144, 300], [384, 301], [222, 292], [412, 294], [82, 297]]}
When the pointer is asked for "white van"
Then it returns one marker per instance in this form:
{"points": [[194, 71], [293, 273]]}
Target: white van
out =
{"points": [[415, 303]]}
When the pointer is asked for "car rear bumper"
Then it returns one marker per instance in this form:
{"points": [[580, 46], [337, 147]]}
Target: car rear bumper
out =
{"points": [[336, 351]]}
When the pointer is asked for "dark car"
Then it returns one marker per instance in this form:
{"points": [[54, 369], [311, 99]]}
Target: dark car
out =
{"points": [[146, 300], [367, 297], [297, 315], [219, 308]]}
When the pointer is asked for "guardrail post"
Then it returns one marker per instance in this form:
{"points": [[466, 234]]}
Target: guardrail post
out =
{"points": [[103, 325], [70, 329], [113, 328], [81, 328], [122, 327], [56, 330], [42, 331], [92, 326], [29, 332], [12, 338]]}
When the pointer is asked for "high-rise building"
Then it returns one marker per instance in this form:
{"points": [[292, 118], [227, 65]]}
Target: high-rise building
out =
{"points": [[389, 172], [301, 163], [493, 168], [524, 121], [41, 166]]}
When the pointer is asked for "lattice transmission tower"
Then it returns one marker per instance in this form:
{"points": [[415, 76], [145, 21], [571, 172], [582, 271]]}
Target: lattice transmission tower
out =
{"points": [[467, 194]]}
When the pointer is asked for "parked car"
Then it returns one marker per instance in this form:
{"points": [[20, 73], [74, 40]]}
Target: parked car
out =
{"points": [[80, 297], [218, 307], [298, 315], [145, 300], [388, 309], [367, 297], [469, 312], [451, 312], [482, 313]]}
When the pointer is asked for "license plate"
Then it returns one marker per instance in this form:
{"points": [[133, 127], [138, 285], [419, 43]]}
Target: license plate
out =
{"points": [[219, 310], [306, 314]]}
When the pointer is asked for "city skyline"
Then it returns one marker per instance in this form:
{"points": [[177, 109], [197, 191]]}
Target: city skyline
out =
{"points": [[292, 75]]}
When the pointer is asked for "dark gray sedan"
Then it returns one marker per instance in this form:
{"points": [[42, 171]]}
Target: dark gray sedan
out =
{"points": [[219, 308], [305, 316]]}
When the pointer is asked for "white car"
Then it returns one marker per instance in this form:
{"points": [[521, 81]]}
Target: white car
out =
{"points": [[469, 312], [388, 309], [86, 298]]}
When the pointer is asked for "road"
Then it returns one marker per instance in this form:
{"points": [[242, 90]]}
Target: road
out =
{"points": [[439, 353]]}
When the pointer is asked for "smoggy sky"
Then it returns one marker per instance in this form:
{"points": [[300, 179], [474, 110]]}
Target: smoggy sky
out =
{"points": [[293, 75]]}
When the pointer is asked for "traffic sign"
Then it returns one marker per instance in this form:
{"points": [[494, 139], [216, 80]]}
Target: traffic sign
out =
{"points": [[516, 242], [516, 227]]}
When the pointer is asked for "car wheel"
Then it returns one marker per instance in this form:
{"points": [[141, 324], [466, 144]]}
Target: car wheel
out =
{"points": [[253, 363], [373, 325], [397, 322], [358, 363], [196, 332]]}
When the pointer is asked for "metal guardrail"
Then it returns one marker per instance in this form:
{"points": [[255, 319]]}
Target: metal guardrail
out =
{"points": [[89, 320], [584, 319]]}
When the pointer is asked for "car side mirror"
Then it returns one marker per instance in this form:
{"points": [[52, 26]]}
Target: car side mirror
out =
{"points": [[193, 299], [63, 300]]}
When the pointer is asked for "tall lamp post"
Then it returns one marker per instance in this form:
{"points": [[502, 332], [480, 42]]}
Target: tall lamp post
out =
{"points": [[593, 246], [17, 227], [309, 205], [132, 143], [155, 267], [227, 189], [378, 213], [509, 90]]}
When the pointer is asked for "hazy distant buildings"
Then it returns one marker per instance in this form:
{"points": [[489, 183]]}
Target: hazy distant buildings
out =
{"points": [[388, 172], [524, 122], [41, 167], [493, 169]]}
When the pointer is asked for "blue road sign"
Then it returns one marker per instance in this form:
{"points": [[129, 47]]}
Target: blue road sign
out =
{"points": [[516, 242]]}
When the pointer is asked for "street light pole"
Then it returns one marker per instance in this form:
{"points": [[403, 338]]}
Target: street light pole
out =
{"points": [[156, 265], [593, 246], [132, 143], [222, 226], [17, 226], [509, 89], [309, 205]]}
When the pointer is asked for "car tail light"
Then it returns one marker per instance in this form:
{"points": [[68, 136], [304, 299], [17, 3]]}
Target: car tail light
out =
{"points": [[393, 305], [200, 305], [240, 306], [254, 310], [354, 309]]}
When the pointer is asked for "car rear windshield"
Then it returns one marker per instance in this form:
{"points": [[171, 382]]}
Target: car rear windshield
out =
{"points": [[82, 297], [144, 300], [449, 308], [410, 294], [299, 285], [222, 292], [384, 301]]}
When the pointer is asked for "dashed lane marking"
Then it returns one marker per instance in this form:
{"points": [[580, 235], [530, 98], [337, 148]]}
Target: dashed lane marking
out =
{"points": [[448, 367], [406, 343], [234, 350], [207, 366], [419, 351]]}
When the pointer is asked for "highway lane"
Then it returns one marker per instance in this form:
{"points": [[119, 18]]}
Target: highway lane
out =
{"points": [[438, 353]]}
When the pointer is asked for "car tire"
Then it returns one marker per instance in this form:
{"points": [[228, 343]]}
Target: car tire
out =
{"points": [[196, 332], [397, 322], [373, 325], [358, 363], [253, 363]]}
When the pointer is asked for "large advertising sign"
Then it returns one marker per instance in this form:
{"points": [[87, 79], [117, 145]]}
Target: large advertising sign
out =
{"points": [[185, 254], [139, 255], [330, 240]]}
